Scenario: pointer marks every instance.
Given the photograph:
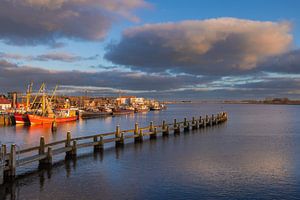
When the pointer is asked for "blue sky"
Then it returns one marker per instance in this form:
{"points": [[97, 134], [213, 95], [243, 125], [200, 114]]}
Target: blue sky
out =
{"points": [[83, 47]]}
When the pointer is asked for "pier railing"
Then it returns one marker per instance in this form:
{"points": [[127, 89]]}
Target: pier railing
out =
{"points": [[44, 153]]}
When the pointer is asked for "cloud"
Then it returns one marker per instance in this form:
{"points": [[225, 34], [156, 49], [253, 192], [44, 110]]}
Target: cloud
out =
{"points": [[45, 21], [63, 57], [52, 56], [222, 46], [14, 77], [286, 63]]}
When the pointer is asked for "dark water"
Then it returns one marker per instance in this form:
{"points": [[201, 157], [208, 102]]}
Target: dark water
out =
{"points": [[255, 155]]}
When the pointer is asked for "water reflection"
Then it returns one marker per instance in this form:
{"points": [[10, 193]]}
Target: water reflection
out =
{"points": [[253, 156]]}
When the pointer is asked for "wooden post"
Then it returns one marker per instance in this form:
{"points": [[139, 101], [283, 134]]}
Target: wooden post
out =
{"points": [[176, 127], [200, 122], [186, 125], [163, 125], [68, 139], [153, 135], [136, 129], [175, 124], [42, 146], [119, 139], [4, 150], [166, 131], [54, 126], [68, 144], [96, 143], [196, 124], [4, 120], [151, 127], [141, 135], [2, 165], [121, 142], [101, 143], [212, 120], [139, 138], [74, 149], [117, 134], [49, 156], [206, 120], [12, 161]]}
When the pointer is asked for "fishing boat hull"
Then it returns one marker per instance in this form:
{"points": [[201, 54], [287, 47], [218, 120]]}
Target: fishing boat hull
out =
{"points": [[21, 118], [155, 109], [36, 119], [89, 115], [123, 112], [141, 110]]}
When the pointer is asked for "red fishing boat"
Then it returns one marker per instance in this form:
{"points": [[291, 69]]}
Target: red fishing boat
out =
{"points": [[36, 119], [45, 114], [21, 118]]}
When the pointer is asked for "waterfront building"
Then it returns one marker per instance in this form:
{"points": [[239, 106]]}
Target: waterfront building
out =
{"points": [[5, 104]]}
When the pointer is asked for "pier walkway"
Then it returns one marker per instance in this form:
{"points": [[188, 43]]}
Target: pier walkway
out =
{"points": [[44, 153]]}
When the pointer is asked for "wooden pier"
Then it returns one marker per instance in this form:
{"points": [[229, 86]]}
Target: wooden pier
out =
{"points": [[6, 120], [44, 153]]}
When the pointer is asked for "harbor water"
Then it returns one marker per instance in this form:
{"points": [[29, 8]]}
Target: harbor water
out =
{"points": [[254, 155]]}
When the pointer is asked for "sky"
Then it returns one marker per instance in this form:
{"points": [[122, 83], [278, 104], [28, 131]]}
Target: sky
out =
{"points": [[166, 49]]}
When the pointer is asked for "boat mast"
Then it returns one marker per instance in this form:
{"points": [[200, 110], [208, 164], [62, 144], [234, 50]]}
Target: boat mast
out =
{"points": [[28, 95], [36, 96], [44, 102]]}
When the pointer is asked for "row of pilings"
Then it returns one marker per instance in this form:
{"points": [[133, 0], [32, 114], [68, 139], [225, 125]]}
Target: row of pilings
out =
{"points": [[44, 153]]}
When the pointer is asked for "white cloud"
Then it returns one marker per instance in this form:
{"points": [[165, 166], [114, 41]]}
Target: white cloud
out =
{"points": [[213, 46], [45, 21]]}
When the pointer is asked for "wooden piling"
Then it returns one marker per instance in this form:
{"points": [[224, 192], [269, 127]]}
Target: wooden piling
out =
{"points": [[217, 119], [12, 161], [153, 135], [136, 129], [176, 127], [68, 144], [42, 146], [139, 138], [196, 124], [54, 126], [74, 149], [119, 137], [207, 120], [165, 131], [99, 144], [48, 160], [4, 150], [2, 164], [163, 125], [186, 125], [175, 124], [151, 127]]}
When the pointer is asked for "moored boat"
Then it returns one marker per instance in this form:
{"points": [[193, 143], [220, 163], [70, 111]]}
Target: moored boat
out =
{"points": [[141, 109], [21, 118], [36, 119], [122, 111], [93, 114]]}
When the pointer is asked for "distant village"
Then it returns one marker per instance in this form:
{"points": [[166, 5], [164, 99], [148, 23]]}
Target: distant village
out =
{"points": [[269, 100], [41, 108]]}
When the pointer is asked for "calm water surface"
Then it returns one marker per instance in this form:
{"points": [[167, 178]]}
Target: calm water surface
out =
{"points": [[255, 155]]}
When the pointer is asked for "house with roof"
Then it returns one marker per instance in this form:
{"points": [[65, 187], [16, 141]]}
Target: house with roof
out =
{"points": [[4, 103]]}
